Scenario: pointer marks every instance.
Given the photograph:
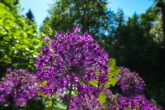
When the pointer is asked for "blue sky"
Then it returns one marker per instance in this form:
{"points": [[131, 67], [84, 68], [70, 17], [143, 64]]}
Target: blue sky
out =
{"points": [[40, 7]]}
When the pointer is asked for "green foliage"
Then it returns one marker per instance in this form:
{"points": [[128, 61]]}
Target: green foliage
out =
{"points": [[156, 32], [19, 42], [91, 16], [46, 29], [113, 72], [133, 45], [102, 98], [11, 4], [93, 83]]}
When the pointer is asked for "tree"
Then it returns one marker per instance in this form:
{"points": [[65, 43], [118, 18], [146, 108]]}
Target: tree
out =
{"points": [[137, 44], [12, 4], [19, 42], [161, 5], [91, 16], [30, 16], [133, 44], [46, 29]]}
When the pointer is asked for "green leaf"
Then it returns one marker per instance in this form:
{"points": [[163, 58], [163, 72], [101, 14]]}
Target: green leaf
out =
{"points": [[113, 72], [93, 83], [112, 62], [102, 98]]}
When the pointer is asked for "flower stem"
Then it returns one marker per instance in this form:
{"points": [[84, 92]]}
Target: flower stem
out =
{"points": [[69, 95]]}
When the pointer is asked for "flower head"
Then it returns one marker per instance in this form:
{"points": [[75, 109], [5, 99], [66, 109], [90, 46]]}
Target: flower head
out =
{"points": [[17, 87], [137, 102], [130, 82], [71, 58]]}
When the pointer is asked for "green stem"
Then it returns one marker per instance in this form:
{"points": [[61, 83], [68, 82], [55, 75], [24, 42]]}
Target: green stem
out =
{"points": [[69, 96]]}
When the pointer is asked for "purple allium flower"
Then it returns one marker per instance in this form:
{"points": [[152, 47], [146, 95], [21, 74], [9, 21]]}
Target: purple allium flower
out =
{"points": [[86, 100], [130, 82], [17, 87], [47, 39], [137, 102], [71, 58]]}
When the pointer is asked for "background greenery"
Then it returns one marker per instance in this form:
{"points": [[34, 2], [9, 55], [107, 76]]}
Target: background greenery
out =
{"points": [[19, 39]]}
